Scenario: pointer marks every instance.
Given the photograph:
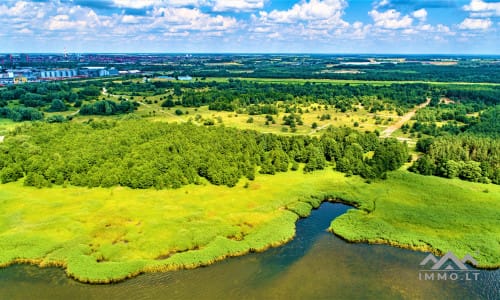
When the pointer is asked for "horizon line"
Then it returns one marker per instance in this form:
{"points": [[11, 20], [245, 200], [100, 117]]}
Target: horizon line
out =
{"points": [[261, 53]]}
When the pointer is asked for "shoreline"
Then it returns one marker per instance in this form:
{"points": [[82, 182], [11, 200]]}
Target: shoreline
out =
{"points": [[102, 238], [396, 244], [172, 267]]}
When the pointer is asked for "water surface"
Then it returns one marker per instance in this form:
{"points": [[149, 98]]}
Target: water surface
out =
{"points": [[315, 265]]}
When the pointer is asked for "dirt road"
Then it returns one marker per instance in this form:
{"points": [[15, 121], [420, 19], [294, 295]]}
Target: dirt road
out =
{"points": [[390, 130]]}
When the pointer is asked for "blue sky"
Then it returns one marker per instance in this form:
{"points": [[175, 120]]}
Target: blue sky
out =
{"points": [[278, 26]]}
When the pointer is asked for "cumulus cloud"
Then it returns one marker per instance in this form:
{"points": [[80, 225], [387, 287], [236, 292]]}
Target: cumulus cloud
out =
{"points": [[420, 14], [140, 4], [305, 20], [191, 19], [136, 4], [74, 18], [381, 4], [390, 19], [237, 5], [19, 9], [307, 11], [481, 8], [475, 24]]}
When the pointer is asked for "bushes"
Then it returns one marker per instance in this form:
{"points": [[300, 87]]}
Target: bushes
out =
{"points": [[11, 173], [19, 114]]}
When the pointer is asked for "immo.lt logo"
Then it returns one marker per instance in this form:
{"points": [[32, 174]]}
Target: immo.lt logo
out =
{"points": [[448, 267]]}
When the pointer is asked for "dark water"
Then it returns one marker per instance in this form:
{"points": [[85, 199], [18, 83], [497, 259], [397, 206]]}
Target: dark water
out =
{"points": [[315, 265]]}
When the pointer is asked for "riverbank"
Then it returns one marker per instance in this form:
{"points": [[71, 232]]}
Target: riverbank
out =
{"points": [[107, 235], [428, 214]]}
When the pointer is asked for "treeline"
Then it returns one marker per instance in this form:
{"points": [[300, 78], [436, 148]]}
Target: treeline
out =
{"points": [[19, 114], [42, 94], [242, 94], [465, 71], [141, 154], [467, 157], [458, 120]]}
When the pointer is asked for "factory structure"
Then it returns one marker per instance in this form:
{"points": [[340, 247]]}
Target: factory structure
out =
{"points": [[23, 75]]}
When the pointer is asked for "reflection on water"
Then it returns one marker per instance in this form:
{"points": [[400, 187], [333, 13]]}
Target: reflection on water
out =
{"points": [[315, 265]]}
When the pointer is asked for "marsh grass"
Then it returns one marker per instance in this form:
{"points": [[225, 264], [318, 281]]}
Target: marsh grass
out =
{"points": [[104, 235], [427, 214]]}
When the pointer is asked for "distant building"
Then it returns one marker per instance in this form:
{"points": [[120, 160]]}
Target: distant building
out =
{"points": [[113, 72], [185, 78]]}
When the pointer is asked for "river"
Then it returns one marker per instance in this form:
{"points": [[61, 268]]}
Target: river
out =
{"points": [[315, 265]]}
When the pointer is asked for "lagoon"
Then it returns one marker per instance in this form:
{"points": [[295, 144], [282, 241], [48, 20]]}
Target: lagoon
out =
{"points": [[314, 265]]}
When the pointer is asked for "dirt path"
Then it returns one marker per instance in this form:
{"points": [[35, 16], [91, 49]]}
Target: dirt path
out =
{"points": [[390, 130], [319, 128]]}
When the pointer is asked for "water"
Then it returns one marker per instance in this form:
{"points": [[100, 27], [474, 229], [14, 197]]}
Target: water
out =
{"points": [[315, 265]]}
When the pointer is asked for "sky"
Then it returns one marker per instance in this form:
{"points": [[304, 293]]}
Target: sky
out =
{"points": [[251, 26]]}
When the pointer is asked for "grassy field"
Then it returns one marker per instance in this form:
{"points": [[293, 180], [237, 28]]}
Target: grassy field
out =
{"points": [[105, 235], [6, 125], [427, 214], [311, 114]]}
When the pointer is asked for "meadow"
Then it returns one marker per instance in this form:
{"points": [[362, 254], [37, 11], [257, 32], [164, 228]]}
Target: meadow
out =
{"points": [[102, 235]]}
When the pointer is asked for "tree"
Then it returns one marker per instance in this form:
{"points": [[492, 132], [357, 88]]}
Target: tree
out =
{"points": [[11, 173], [470, 171], [315, 159], [424, 166], [57, 106]]}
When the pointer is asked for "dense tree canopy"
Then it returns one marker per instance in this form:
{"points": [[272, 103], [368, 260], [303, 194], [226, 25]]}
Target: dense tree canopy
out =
{"points": [[467, 157], [142, 154]]}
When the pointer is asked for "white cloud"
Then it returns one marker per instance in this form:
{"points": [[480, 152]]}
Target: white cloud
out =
{"points": [[475, 24], [390, 19], [21, 9], [420, 14], [139, 4], [191, 19], [331, 10], [481, 8], [304, 21], [237, 5], [74, 18], [127, 19], [381, 3]]}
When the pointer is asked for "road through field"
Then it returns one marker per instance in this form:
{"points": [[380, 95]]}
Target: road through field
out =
{"points": [[407, 117]]}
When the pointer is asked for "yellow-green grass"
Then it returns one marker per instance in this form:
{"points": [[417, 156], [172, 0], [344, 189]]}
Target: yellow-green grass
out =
{"points": [[6, 125], [427, 214], [103, 235], [365, 119]]}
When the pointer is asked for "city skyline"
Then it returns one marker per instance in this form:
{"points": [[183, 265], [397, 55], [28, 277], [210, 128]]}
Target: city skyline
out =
{"points": [[250, 26]]}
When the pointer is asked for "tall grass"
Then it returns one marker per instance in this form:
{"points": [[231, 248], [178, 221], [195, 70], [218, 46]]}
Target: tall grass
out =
{"points": [[428, 214], [104, 235]]}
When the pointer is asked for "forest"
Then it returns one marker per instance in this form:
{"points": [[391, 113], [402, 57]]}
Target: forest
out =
{"points": [[468, 157], [30, 101], [141, 154]]}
